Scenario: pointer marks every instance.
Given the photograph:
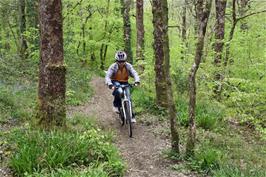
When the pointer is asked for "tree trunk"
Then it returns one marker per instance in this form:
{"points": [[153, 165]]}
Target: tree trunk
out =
{"points": [[52, 88], [140, 33], [162, 66], [159, 33], [201, 29], [22, 29], [125, 4], [184, 30], [219, 30], [218, 45], [104, 46], [231, 34]]}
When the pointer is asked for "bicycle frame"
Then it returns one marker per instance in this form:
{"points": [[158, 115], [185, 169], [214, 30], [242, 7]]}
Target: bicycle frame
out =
{"points": [[125, 99]]}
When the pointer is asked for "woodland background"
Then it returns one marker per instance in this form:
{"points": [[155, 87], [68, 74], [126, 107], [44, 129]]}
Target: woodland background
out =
{"points": [[230, 110]]}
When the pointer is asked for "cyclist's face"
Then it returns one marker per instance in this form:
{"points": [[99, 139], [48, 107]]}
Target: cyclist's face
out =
{"points": [[121, 63]]}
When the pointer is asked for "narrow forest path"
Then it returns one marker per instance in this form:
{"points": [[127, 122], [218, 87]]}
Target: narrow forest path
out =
{"points": [[142, 153]]}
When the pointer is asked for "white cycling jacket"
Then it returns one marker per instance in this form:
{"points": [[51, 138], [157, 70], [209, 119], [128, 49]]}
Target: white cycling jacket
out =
{"points": [[114, 68]]}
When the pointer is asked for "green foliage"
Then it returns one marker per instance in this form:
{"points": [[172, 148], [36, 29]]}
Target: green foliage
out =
{"points": [[92, 171], [208, 159], [249, 97], [232, 171], [78, 83], [223, 152], [40, 151], [144, 101], [207, 115], [100, 27], [180, 80], [15, 104]]}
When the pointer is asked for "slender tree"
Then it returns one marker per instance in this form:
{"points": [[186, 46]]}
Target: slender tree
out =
{"points": [[22, 29], [203, 16], [125, 8], [140, 32], [184, 28], [231, 34], [162, 65], [104, 46], [52, 111]]}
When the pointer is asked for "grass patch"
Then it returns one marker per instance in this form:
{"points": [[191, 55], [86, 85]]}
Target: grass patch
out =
{"points": [[16, 104], [207, 115], [63, 152], [227, 151], [143, 101]]}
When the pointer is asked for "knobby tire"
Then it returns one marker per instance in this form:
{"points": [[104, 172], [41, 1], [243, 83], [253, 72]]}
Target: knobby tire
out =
{"points": [[128, 118], [121, 114]]}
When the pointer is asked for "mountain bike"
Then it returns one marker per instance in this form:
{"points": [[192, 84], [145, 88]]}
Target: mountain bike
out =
{"points": [[125, 111]]}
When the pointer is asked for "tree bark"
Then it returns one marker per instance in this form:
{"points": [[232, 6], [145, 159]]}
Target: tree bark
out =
{"points": [[201, 29], [231, 34], [220, 6], [162, 66], [219, 30], [184, 30], [51, 92], [140, 32], [125, 4], [159, 33], [22, 29]]}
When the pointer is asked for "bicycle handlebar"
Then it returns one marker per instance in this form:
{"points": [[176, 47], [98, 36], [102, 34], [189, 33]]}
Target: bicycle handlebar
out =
{"points": [[126, 85]]}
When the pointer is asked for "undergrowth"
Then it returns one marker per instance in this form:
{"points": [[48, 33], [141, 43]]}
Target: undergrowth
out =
{"points": [[221, 153], [19, 86], [81, 150]]}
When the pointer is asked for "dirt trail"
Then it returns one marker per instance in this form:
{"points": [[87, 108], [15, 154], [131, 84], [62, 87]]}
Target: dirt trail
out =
{"points": [[142, 153]]}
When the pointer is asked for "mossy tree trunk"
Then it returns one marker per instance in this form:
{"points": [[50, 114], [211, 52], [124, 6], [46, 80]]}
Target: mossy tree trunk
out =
{"points": [[140, 33], [22, 29], [203, 17], [51, 93], [162, 66], [125, 9], [220, 6], [159, 32]]}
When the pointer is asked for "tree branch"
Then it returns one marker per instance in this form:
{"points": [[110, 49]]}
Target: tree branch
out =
{"points": [[248, 15], [78, 3], [174, 26]]}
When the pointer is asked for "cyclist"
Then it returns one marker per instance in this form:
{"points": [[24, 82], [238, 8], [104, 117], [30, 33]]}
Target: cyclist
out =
{"points": [[117, 74]]}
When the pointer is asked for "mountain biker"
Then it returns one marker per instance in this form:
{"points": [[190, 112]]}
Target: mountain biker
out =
{"points": [[118, 73]]}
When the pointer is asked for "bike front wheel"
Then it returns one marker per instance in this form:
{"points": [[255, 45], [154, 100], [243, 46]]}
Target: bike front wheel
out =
{"points": [[121, 115], [128, 118]]}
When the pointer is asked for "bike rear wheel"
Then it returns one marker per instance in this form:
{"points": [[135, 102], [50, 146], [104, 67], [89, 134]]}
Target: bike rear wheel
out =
{"points": [[128, 118]]}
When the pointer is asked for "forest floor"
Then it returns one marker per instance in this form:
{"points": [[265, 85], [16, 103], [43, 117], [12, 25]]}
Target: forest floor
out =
{"points": [[142, 153]]}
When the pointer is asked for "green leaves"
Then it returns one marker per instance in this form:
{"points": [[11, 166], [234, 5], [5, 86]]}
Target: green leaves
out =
{"points": [[41, 152]]}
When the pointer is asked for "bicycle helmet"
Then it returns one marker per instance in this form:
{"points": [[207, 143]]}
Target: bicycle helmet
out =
{"points": [[120, 56]]}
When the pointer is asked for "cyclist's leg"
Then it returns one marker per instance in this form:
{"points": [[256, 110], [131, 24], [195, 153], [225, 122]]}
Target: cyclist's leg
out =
{"points": [[117, 99]]}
